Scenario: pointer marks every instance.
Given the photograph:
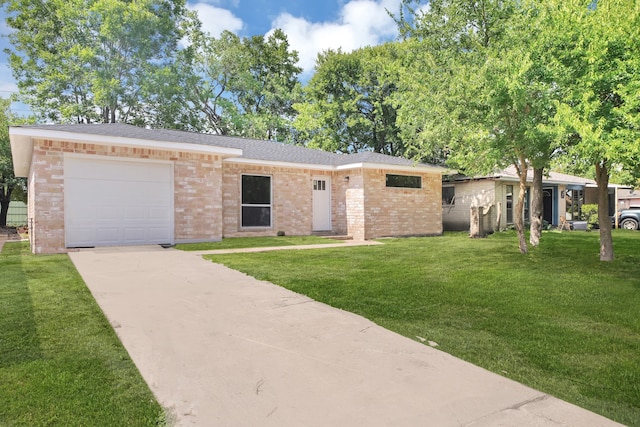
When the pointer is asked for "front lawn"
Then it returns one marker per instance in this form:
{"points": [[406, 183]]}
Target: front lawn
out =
{"points": [[557, 319], [61, 364]]}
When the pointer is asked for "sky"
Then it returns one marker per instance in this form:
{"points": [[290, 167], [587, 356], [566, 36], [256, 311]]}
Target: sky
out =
{"points": [[311, 27]]}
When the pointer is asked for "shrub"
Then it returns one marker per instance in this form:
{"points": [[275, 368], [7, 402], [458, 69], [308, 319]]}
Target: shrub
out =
{"points": [[590, 214]]}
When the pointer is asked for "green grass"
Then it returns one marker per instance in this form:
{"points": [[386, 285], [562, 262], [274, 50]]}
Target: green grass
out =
{"points": [[256, 242], [557, 319], [61, 363]]}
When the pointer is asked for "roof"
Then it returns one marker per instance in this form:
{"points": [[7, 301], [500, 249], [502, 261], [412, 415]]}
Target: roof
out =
{"points": [[232, 148], [550, 178], [510, 174]]}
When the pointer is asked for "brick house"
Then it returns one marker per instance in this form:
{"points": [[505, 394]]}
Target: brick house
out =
{"points": [[117, 184]]}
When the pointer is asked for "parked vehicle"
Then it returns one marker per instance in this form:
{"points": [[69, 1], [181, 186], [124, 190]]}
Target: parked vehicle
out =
{"points": [[629, 219]]}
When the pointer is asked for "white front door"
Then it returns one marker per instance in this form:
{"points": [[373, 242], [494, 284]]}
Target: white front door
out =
{"points": [[321, 203]]}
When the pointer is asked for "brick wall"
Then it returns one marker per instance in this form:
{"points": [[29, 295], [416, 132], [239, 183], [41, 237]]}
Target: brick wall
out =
{"points": [[197, 202], [46, 198], [291, 210], [392, 211], [355, 206]]}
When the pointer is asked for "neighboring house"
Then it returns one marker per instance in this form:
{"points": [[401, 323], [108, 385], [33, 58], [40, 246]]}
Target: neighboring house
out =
{"points": [[496, 195], [628, 198], [116, 184]]}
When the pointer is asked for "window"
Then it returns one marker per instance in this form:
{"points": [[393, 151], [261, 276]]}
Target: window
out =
{"points": [[448, 195], [509, 204], [256, 201], [404, 181], [527, 205], [574, 200], [319, 184]]}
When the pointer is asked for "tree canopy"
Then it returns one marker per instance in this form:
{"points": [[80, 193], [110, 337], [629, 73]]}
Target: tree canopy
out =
{"points": [[86, 60], [596, 46], [347, 105]]}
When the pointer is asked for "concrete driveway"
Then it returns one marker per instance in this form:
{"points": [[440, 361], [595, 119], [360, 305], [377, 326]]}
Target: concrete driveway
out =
{"points": [[219, 348]]}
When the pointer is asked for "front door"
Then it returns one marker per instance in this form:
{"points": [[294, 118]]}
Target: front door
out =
{"points": [[322, 203]]}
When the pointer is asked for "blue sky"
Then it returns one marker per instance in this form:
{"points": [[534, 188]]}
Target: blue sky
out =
{"points": [[311, 26]]}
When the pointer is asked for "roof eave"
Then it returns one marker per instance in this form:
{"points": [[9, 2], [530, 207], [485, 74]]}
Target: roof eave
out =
{"points": [[293, 165], [121, 141], [405, 168]]}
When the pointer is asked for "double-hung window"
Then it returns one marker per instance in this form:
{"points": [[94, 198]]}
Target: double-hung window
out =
{"points": [[256, 201]]}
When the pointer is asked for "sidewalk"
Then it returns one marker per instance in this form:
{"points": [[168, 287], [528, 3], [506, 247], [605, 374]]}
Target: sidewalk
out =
{"points": [[345, 244]]}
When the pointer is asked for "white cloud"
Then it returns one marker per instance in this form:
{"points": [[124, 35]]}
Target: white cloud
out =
{"points": [[215, 20], [360, 23]]}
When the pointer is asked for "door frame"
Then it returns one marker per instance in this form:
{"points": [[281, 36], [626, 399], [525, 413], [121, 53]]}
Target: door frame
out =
{"points": [[321, 207]]}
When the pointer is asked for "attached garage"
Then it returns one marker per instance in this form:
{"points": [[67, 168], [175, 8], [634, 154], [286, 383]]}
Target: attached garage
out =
{"points": [[112, 202]]}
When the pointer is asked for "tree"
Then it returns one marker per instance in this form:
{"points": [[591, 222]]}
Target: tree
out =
{"points": [[267, 97], [8, 181], [597, 48], [347, 105], [243, 87], [476, 91], [86, 60]]}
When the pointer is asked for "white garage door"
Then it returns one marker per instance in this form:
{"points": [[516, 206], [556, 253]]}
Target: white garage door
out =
{"points": [[117, 202]]}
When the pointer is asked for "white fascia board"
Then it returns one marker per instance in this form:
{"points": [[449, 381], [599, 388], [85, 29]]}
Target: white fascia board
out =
{"points": [[255, 162], [21, 152], [619, 186], [124, 141], [415, 169]]}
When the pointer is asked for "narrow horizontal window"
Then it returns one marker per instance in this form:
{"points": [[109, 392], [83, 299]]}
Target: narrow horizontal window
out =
{"points": [[404, 181]]}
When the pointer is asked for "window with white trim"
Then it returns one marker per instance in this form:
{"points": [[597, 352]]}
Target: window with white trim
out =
{"points": [[256, 201]]}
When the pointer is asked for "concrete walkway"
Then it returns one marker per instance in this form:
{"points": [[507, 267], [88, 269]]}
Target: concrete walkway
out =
{"points": [[219, 348], [344, 244]]}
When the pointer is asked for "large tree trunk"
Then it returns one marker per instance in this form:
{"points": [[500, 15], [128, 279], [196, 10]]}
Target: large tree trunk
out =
{"points": [[606, 240], [519, 213], [5, 199], [536, 207]]}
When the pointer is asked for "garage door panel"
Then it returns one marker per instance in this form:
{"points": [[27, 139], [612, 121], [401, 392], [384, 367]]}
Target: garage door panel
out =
{"points": [[134, 213], [109, 235], [134, 235], [158, 233], [111, 202]]}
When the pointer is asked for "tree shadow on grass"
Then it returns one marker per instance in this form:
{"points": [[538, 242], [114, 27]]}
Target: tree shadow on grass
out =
{"points": [[19, 340]]}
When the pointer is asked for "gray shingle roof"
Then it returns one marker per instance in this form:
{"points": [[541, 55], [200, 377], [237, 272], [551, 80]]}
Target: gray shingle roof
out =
{"points": [[252, 149], [550, 177]]}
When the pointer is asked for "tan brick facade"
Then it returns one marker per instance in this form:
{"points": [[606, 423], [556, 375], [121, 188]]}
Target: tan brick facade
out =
{"points": [[207, 197], [197, 191], [392, 211], [291, 209]]}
